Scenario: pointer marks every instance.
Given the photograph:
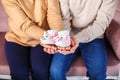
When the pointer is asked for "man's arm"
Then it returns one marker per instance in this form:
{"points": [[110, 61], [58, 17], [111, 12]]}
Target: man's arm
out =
{"points": [[99, 25]]}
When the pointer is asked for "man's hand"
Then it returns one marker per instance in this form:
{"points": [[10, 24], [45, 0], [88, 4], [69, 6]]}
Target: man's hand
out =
{"points": [[70, 49], [51, 49]]}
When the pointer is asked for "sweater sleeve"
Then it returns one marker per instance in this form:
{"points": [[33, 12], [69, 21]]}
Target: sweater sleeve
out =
{"points": [[20, 21], [66, 16], [97, 28], [53, 15]]}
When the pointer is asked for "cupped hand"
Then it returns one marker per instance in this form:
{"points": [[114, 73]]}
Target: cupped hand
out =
{"points": [[50, 49], [70, 49]]}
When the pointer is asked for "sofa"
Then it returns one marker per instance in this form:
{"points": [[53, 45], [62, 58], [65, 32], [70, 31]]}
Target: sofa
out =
{"points": [[112, 40]]}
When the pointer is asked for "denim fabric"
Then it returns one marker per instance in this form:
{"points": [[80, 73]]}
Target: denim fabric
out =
{"points": [[24, 61], [94, 56]]}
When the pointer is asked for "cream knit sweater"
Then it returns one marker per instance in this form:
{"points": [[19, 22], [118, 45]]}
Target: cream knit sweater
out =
{"points": [[90, 18]]}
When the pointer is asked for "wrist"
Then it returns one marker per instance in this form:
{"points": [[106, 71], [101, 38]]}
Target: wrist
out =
{"points": [[75, 39]]}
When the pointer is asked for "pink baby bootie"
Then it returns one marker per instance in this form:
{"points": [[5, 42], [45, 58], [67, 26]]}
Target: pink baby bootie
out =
{"points": [[63, 38], [48, 37]]}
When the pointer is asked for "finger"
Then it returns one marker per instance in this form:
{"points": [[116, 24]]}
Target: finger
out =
{"points": [[54, 47], [64, 52], [73, 49], [73, 42], [58, 47], [63, 48], [67, 52], [68, 48], [48, 51], [45, 49], [53, 51]]}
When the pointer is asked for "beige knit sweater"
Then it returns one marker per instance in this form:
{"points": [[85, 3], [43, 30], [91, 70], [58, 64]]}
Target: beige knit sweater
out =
{"points": [[90, 18], [28, 19]]}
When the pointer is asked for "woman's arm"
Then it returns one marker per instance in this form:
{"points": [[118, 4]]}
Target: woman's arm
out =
{"points": [[20, 20], [99, 25], [66, 16], [54, 16]]}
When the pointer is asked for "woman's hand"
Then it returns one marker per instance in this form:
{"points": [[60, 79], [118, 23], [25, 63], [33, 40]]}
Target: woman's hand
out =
{"points": [[70, 49], [50, 49]]}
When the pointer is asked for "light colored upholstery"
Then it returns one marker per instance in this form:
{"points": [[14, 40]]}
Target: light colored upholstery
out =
{"points": [[4, 68], [113, 32], [3, 19]]}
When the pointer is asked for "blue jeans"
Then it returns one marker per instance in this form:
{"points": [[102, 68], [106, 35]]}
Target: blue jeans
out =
{"points": [[23, 60], [94, 56]]}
